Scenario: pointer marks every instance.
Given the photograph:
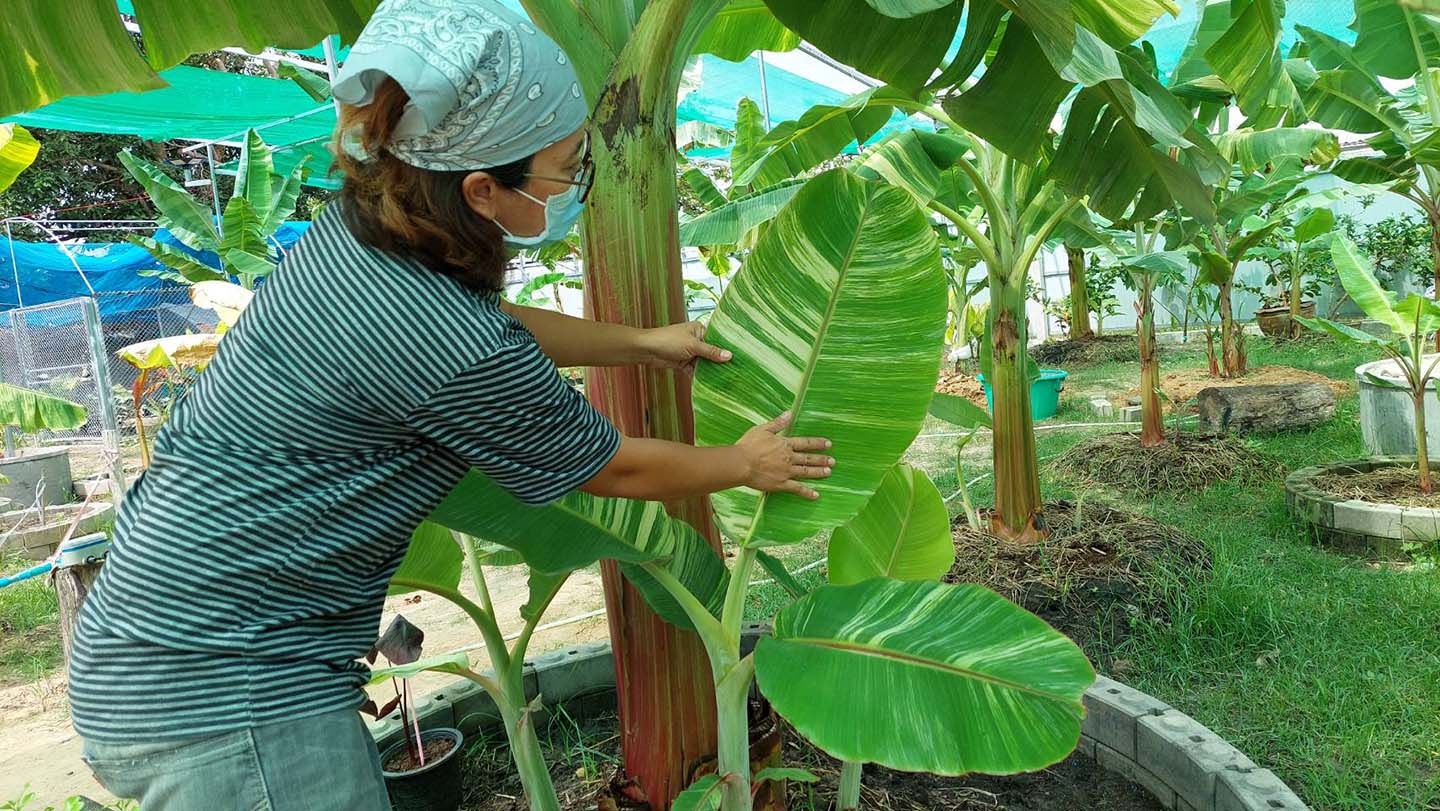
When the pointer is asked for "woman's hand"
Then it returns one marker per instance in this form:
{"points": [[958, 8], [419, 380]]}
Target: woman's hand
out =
{"points": [[679, 346], [777, 464]]}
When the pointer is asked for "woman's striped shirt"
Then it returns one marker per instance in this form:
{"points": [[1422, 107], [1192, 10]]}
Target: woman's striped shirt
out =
{"points": [[250, 562]]}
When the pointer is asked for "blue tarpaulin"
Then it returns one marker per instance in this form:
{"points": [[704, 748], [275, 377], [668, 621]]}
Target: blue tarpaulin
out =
{"points": [[46, 272]]}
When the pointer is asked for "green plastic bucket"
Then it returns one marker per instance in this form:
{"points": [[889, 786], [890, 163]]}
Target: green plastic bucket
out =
{"points": [[1044, 393]]}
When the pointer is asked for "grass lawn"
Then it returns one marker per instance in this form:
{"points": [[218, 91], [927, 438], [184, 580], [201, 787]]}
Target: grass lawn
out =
{"points": [[1322, 668], [29, 627]]}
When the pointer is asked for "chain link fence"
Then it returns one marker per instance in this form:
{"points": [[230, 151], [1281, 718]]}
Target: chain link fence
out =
{"points": [[70, 349]]}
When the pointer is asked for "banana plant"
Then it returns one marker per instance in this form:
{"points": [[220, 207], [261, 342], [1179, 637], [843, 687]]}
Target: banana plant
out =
{"points": [[1410, 321], [18, 149], [1347, 90], [1147, 269], [963, 414], [243, 242], [31, 412]]}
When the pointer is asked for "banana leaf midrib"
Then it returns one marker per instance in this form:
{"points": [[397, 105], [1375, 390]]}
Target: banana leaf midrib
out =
{"points": [[824, 330], [908, 659]]}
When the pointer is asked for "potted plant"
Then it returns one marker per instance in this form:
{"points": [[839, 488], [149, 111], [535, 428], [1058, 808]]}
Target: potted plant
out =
{"points": [[1377, 505], [1292, 252], [423, 769]]}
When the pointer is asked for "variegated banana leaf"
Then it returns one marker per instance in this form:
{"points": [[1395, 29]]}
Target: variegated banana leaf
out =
{"points": [[902, 534], [837, 317], [227, 299], [175, 352], [580, 529], [925, 677]]}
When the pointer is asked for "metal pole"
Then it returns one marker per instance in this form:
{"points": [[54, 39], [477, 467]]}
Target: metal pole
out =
{"points": [[215, 190], [110, 431], [332, 63], [14, 265], [764, 92]]}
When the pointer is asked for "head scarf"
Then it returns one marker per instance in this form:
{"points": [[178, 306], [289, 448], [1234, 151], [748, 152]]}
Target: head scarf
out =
{"points": [[486, 88]]}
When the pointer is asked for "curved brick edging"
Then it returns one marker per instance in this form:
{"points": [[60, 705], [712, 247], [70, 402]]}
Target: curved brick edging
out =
{"points": [[1174, 757], [1359, 527]]}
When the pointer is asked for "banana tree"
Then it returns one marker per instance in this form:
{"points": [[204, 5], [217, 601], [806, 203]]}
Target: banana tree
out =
{"points": [[1148, 269], [1411, 321], [1262, 190], [629, 58], [1347, 91], [18, 149], [243, 241], [1080, 329]]}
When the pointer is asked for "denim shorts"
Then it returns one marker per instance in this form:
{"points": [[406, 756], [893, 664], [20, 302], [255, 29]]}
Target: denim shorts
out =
{"points": [[321, 763]]}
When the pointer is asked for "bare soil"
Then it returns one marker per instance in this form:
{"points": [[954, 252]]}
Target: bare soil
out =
{"points": [[1099, 570], [435, 748], [1184, 462], [1389, 485], [962, 384], [1182, 385], [1075, 784]]}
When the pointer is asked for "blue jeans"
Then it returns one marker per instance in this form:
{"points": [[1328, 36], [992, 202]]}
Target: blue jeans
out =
{"points": [[321, 763]]}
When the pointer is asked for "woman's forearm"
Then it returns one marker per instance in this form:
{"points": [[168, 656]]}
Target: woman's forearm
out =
{"points": [[570, 341], [658, 470]]}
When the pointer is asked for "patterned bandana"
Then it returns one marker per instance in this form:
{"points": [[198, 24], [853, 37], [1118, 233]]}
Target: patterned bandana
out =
{"points": [[486, 88]]}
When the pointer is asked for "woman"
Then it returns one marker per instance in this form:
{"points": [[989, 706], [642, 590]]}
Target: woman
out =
{"points": [[216, 663]]}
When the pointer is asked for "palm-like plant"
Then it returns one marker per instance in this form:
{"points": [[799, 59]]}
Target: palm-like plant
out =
{"points": [[18, 149], [243, 240]]}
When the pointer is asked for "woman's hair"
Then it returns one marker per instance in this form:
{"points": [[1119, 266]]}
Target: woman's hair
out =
{"points": [[414, 212]]}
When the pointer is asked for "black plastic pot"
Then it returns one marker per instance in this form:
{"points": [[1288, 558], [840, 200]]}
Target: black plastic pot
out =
{"points": [[432, 787]]}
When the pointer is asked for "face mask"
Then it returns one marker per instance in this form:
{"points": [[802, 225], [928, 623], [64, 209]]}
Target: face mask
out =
{"points": [[562, 211]]}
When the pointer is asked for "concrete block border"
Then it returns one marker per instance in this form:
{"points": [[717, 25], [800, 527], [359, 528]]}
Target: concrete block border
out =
{"points": [[1363, 528], [1137, 736]]}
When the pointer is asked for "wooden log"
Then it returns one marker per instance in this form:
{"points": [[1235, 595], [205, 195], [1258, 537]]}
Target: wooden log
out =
{"points": [[72, 584], [1267, 408]]}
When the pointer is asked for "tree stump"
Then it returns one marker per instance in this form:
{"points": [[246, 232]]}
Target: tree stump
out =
{"points": [[1260, 409], [72, 584]]}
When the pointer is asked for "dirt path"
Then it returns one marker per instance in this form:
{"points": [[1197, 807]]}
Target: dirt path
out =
{"points": [[40, 750]]}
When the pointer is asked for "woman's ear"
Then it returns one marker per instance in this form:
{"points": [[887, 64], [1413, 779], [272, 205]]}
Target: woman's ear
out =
{"points": [[482, 194]]}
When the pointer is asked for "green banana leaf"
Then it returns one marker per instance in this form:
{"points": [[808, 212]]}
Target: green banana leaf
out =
{"points": [[1383, 39], [1247, 57], [18, 149], [858, 35], [287, 193], [743, 27], [191, 223], [1317, 223], [242, 228], [1421, 313], [433, 558], [925, 677], [580, 529], [32, 411], [958, 411], [901, 9], [903, 533], [254, 176], [820, 134], [454, 663], [311, 82], [1344, 332], [837, 317], [189, 268], [1357, 276], [916, 161], [42, 40], [703, 187]]}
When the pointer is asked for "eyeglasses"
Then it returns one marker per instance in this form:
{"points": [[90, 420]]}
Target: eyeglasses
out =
{"points": [[584, 176]]}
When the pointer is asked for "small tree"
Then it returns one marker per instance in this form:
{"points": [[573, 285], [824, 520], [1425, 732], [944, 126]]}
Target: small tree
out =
{"points": [[1147, 270], [1291, 254], [1411, 321]]}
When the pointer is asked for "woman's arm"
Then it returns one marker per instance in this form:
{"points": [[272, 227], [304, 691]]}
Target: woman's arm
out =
{"points": [[657, 470], [570, 341]]}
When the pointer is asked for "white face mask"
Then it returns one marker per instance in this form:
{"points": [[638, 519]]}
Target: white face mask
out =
{"points": [[562, 211]]}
